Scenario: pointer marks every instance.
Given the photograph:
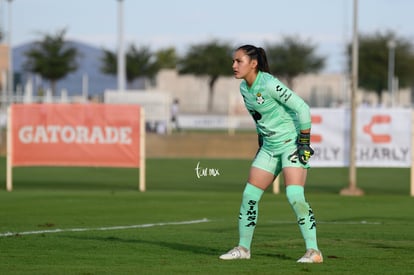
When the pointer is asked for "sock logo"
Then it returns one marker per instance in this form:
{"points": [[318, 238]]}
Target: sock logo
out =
{"points": [[312, 219], [251, 213]]}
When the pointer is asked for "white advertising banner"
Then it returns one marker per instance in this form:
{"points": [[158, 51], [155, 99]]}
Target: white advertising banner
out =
{"points": [[383, 137], [328, 137]]}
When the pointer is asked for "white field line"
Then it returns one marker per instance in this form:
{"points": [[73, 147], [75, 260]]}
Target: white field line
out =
{"points": [[7, 234]]}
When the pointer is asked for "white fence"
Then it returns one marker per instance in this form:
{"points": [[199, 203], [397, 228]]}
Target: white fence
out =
{"points": [[157, 106]]}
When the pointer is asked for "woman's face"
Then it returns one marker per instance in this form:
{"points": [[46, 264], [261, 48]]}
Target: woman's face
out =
{"points": [[243, 66]]}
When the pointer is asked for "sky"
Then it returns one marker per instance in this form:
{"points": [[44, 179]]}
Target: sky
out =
{"points": [[327, 24]]}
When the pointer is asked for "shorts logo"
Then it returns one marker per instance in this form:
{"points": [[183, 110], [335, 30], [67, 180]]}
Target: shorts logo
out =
{"points": [[259, 98], [293, 157]]}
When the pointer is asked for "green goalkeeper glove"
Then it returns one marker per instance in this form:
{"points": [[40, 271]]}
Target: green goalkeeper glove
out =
{"points": [[304, 150]]}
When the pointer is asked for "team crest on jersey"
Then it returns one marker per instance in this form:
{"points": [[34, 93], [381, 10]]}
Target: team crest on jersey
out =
{"points": [[259, 98]]}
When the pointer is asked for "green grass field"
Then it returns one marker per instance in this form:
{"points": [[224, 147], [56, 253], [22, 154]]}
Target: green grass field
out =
{"points": [[94, 221]]}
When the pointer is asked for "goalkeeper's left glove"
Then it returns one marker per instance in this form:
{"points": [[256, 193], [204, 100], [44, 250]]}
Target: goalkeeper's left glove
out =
{"points": [[304, 150]]}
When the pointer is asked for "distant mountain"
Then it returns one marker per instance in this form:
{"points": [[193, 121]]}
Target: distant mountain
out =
{"points": [[89, 64]]}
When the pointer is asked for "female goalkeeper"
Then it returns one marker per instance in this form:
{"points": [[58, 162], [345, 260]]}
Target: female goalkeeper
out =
{"points": [[283, 124]]}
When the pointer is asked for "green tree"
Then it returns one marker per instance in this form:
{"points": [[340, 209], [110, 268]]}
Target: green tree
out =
{"points": [[167, 58], [293, 56], [212, 59], [52, 58], [373, 61], [139, 63]]}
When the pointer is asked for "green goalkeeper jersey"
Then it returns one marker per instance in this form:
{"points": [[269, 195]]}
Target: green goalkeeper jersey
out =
{"points": [[278, 112]]}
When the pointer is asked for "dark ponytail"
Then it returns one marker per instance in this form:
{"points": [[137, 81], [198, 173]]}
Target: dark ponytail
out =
{"points": [[258, 54]]}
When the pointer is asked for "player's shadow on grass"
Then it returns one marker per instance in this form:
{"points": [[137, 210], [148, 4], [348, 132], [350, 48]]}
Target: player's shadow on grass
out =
{"points": [[175, 246], [171, 245]]}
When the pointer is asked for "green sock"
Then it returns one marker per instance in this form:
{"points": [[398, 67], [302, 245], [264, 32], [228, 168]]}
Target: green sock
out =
{"points": [[249, 210], [304, 215]]}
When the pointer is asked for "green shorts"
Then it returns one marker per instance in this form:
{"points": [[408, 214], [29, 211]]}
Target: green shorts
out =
{"points": [[274, 160]]}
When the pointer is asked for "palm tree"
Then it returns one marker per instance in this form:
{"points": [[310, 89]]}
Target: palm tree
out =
{"points": [[52, 58], [212, 59], [293, 56], [373, 61], [139, 63], [167, 58]]}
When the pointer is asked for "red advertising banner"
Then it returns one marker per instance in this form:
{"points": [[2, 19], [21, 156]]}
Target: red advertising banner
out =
{"points": [[75, 135]]}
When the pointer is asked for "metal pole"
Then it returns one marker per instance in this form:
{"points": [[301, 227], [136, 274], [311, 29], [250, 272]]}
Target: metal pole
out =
{"points": [[85, 87], [121, 51], [391, 61], [11, 70], [352, 188]]}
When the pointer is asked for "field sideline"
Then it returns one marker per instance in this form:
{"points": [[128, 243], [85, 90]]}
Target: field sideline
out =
{"points": [[94, 221]]}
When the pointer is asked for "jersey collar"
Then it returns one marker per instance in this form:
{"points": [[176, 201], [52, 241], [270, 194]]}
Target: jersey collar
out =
{"points": [[259, 75]]}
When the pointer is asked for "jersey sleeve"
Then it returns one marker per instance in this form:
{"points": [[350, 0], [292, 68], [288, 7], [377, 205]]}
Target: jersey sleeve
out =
{"points": [[291, 100]]}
